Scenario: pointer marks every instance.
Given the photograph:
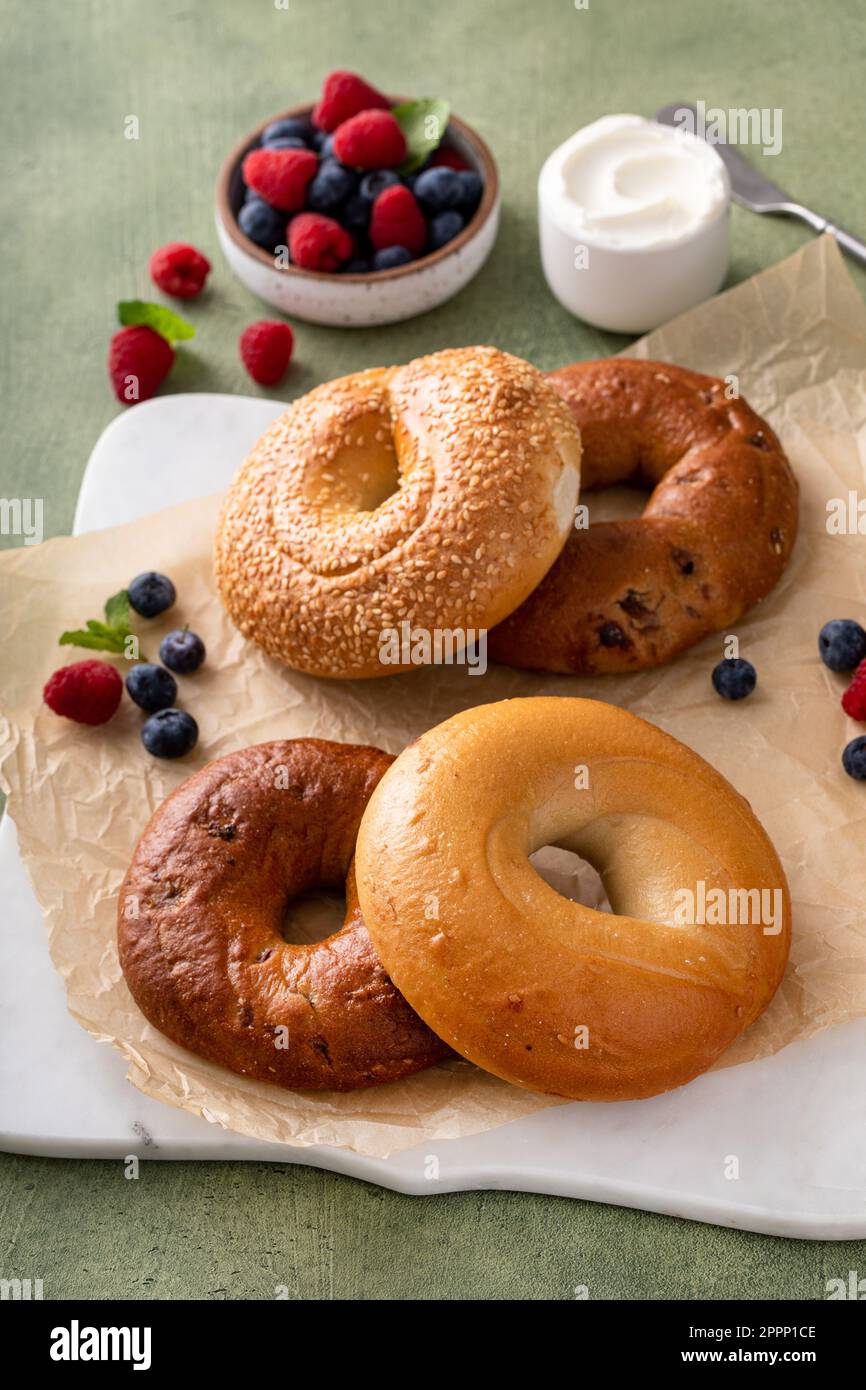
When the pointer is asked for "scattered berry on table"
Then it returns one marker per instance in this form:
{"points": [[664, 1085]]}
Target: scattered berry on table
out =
{"points": [[397, 220], [289, 128], [391, 256], [734, 678], [179, 270], [344, 94], [370, 140], [842, 644], [854, 758], [447, 158], [376, 182], [170, 733], [471, 188], [444, 228], [266, 350], [151, 593], [261, 223], [854, 699], [317, 242], [87, 691], [438, 189], [182, 651], [333, 184], [280, 176], [139, 360], [151, 687]]}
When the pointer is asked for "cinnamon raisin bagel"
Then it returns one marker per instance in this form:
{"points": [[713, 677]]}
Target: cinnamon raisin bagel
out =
{"points": [[542, 991], [436, 494], [713, 539], [202, 907]]}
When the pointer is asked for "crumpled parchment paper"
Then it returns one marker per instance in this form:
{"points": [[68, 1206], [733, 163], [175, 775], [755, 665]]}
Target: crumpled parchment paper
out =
{"points": [[795, 336]]}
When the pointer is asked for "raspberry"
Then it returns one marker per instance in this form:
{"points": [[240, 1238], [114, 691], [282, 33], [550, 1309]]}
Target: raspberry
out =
{"points": [[318, 243], [87, 691], [344, 94], [139, 360], [854, 699], [179, 270], [266, 350], [397, 220], [280, 176], [447, 158], [370, 140]]}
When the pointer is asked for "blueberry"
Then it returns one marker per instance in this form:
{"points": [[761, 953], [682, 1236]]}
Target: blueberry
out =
{"points": [[438, 189], [261, 223], [444, 228], [390, 257], [182, 651], [471, 188], [333, 184], [151, 687], [151, 593], [289, 128], [359, 265], [287, 142], [854, 758], [326, 149], [376, 182], [734, 678], [842, 644], [317, 140], [355, 215], [169, 733]]}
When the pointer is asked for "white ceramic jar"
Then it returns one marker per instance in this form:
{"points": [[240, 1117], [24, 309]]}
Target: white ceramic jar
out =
{"points": [[633, 222]]}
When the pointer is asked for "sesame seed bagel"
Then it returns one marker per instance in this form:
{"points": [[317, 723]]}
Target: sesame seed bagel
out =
{"points": [[436, 494], [542, 991], [714, 537], [201, 913]]}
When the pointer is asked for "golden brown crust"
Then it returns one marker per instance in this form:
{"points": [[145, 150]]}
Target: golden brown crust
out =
{"points": [[713, 540], [436, 494], [509, 972], [202, 907]]}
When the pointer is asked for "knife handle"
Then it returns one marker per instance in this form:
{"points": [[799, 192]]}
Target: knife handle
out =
{"points": [[847, 240]]}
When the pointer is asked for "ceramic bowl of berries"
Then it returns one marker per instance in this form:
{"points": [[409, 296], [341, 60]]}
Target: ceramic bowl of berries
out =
{"points": [[359, 210]]}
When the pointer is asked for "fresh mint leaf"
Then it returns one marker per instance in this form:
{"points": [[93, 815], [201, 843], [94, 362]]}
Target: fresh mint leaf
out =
{"points": [[423, 124], [110, 636], [98, 638], [117, 611], [133, 313]]}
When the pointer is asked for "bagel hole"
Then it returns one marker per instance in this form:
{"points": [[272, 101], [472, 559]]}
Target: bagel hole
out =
{"points": [[313, 916], [363, 472], [621, 503], [571, 876]]}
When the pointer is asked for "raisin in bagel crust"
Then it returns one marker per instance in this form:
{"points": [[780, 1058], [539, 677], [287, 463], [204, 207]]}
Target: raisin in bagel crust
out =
{"points": [[545, 992], [436, 494], [714, 537], [201, 912]]}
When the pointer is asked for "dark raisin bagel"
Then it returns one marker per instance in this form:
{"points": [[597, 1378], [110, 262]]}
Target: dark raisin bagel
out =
{"points": [[713, 540], [202, 907]]}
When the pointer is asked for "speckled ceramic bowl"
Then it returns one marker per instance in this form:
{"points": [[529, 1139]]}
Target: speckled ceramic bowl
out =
{"points": [[360, 301]]}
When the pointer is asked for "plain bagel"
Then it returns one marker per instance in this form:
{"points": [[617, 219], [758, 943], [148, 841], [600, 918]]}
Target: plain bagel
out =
{"points": [[540, 990], [201, 913], [714, 537], [436, 494]]}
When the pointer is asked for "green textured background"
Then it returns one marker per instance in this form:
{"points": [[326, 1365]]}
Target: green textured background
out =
{"points": [[82, 209]]}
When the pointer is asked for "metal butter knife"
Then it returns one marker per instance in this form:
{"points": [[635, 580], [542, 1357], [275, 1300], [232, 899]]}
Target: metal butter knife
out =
{"points": [[757, 193]]}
